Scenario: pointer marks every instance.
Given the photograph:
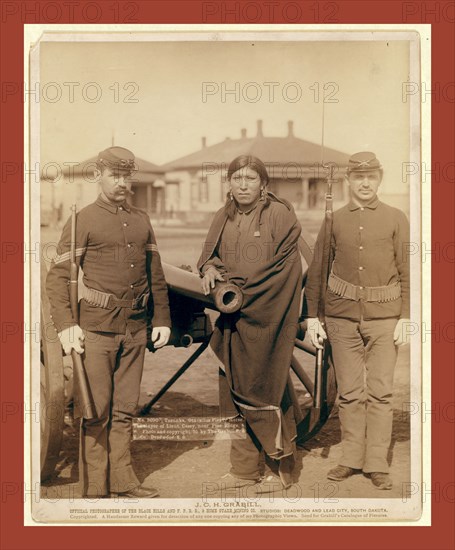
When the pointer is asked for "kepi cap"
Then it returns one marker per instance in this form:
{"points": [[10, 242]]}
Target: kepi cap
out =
{"points": [[118, 158], [363, 162]]}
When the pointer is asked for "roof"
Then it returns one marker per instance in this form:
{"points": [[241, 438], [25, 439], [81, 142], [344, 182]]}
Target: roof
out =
{"points": [[271, 150]]}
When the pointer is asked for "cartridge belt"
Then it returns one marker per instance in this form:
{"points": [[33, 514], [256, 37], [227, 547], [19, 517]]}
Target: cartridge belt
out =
{"points": [[349, 291], [109, 301]]}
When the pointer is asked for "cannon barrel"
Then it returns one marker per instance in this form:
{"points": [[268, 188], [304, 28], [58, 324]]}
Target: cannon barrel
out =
{"points": [[187, 302], [225, 297]]}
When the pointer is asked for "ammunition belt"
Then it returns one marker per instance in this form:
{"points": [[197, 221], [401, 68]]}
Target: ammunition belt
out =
{"points": [[109, 301], [349, 291]]}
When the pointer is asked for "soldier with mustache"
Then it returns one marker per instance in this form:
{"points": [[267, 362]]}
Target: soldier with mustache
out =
{"points": [[124, 286]]}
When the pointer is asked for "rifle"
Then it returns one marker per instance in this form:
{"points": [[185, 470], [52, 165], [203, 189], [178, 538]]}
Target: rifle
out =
{"points": [[321, 354], [80, 375]]}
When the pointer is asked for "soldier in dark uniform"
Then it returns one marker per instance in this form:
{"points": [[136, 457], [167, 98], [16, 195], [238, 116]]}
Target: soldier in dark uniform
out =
{"points": [[123, 286], [367, 308]]}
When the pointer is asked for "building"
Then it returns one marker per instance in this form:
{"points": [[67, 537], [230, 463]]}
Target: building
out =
{"points": [[193, 187], [196, 183]]}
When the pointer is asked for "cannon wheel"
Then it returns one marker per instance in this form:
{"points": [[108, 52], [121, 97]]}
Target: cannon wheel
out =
{"points": [[52, 397], [313, 418]]}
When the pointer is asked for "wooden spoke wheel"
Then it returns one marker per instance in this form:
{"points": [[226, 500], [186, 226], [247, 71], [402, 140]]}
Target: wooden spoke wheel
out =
{"points": [[52, 398]]}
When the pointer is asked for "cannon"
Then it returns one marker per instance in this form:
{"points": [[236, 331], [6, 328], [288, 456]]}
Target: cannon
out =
{"points": [[192, 328]]}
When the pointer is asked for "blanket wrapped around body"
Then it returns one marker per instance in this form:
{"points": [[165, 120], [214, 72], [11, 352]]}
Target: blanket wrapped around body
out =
{"points": [[255, 345]]}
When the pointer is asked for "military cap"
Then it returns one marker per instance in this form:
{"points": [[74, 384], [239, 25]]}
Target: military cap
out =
{"points": [[363, 162], [118, 158]]}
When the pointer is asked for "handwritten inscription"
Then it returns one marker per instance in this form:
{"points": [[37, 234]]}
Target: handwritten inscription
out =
{"points": [[192, 428]]}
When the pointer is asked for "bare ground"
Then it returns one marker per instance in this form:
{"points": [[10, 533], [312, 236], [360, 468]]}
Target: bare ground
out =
{"points": [[184, 469], [193, 469]]}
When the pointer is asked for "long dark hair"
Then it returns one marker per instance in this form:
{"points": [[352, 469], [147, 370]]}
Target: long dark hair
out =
{"points": [[238, 163], [249, 161]]}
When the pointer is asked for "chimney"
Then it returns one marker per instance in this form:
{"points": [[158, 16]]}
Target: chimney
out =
{"points": [[243, 133], [290, 128], [204, 142], [260, 134]]}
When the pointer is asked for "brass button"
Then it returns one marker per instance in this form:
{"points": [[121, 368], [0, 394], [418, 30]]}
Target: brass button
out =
{"points": [[360, 247], [360, 268], [361, 227]]}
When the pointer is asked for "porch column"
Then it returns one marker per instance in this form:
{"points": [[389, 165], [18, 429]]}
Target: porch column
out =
{"points": [[305, 188], [149, 197], [344, 189]]}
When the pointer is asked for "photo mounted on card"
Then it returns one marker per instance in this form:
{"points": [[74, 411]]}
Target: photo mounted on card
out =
{"points": [[229, 288]]}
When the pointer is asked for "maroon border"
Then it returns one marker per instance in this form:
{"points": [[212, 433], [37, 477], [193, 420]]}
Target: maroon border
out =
{"points": [[441, 534]]}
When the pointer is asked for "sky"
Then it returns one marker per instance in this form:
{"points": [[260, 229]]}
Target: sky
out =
{"points": [[149, 95]]}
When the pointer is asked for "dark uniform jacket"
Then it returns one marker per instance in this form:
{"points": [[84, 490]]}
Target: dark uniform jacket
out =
{"points": [[117, 251], [369, 248]]}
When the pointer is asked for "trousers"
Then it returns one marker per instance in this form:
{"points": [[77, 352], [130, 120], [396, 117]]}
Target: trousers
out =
{"points": [[364, 356], [114, 364]]}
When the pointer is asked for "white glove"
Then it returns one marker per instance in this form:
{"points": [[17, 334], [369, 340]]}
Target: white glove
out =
{"points": [[160, 336], [72, 338], [316, 332], [401, 333]]}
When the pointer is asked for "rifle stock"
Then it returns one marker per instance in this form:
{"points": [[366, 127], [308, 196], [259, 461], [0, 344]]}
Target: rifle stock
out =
{"points": [[86, 404]]}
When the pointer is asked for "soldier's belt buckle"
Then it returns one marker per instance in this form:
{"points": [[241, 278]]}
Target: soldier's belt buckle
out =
{"points": [[361, 293], [109, 303]]}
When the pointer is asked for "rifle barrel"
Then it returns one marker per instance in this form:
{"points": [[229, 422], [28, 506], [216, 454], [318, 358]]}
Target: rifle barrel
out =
{"points": [[88, 409]]}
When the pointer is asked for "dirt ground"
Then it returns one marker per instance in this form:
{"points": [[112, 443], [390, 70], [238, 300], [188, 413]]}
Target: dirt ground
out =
{"points": [[193, 469], [186, 469]]}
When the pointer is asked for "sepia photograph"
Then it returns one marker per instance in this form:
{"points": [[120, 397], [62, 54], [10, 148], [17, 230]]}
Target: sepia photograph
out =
{"points": [[229, 286]]}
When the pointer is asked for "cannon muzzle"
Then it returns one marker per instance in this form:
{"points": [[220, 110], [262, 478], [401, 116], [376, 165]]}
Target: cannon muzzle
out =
{"points": [[225, 297], [187, 302]]}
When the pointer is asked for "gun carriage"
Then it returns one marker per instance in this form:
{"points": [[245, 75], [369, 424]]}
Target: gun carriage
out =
{"points": [[192, 328]]}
